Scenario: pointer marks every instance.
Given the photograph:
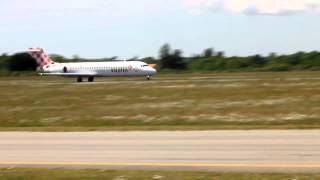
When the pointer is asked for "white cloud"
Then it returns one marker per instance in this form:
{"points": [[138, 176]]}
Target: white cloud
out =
{"points": [[256, 7]]}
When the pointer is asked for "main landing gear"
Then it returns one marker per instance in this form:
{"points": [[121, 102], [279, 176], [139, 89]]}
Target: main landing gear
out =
{"points": [[90, 79], [147, 78]]}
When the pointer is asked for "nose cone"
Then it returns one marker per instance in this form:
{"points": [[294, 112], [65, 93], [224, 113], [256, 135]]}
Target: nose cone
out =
{"points": [[151, 71], [154, 71]]}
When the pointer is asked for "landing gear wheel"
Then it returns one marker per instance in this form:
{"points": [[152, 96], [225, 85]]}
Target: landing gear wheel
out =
{"points": [[79, 79], [147, 78], [90, 79]]}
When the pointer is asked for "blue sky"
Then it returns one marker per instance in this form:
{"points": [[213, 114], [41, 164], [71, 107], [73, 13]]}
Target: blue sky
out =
{"points": [[128, 28]]}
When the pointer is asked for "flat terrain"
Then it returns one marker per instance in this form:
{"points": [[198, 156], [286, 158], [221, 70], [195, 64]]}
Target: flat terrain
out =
{"points": [[141, 175], [223, 151], [169, 101]]}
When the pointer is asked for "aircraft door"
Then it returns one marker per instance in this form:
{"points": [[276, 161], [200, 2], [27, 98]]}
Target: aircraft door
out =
{"points": [[65, 69]]}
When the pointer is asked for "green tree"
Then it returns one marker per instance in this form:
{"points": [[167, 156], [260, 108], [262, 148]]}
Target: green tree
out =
{"points": [[149, 60], [171, 60], [220, 54], [21, 62], [76, 58], [177, 60], [165, 51], [58, 58], [256, 61], [209, 52], [4, 61], [134, 58]]}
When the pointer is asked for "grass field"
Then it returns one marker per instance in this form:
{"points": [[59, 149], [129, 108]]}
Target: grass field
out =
{"points": [[43, 174], [169, 101]]}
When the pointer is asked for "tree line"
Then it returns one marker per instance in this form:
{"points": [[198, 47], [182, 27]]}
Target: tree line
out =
{"points": [[211, 60], [173, 59]]}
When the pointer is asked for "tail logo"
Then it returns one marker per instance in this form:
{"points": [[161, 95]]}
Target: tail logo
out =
{"points": [[39, 55]]}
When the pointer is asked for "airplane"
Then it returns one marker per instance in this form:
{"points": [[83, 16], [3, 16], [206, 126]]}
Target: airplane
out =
{"points": [[90, 70]]}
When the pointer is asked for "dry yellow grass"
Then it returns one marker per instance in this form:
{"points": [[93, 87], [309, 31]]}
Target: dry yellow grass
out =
{"points": [[187, 101]]}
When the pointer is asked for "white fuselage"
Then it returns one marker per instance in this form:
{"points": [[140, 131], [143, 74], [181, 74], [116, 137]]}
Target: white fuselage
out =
{"points": [[96, 69]]}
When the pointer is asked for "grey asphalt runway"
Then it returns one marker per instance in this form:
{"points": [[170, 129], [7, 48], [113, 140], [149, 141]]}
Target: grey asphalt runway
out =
{"points": [[250, 151], [100, 81]]}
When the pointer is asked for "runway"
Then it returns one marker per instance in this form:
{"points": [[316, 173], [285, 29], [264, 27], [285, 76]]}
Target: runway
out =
{"points": [[249, 151], [109, 81]]}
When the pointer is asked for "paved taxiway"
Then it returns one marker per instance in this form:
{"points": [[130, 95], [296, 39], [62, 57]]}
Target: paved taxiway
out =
{"points": [[256, 150], [157, 81]]}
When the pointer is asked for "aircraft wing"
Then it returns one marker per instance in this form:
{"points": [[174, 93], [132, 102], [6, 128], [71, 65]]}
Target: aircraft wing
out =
{"points": [[70, 74]]}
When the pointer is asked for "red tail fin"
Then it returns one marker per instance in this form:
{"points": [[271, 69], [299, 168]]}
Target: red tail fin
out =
{"points": [[41, 57]]}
